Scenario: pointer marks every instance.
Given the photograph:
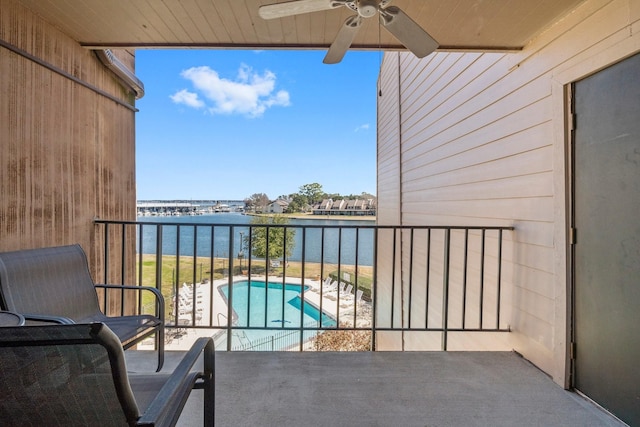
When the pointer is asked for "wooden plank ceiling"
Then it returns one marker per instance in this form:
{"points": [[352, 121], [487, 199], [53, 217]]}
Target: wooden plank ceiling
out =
{"points": [[486, 25]]}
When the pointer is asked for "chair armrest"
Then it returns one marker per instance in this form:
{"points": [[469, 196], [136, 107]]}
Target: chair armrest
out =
{"points": [[61, 320], [133, 288], [183, 379], [154, 291]]}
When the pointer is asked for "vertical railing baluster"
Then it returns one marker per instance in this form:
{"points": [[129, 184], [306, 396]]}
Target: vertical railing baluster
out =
{"points": [[428, 278], [445, 291], [194, 271], [194, 295], [464, 277], [249, 279], [123, 233], [106, 254], [355, 291], [339, 275], [176, 279], [230, 291], [410, 277], [393, 276], [302, 299], [322, 279], [482, 244], [106, 267], [158, 228], [123, 254], [374, 289], [140, 251], [266, 277], [212, 267], [499, 279]]}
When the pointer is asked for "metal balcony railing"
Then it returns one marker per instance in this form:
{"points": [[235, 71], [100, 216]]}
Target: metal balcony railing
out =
{"points": [[280, 286]]}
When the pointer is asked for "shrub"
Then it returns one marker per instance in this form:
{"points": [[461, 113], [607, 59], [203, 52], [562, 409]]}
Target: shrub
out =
{"points": [[343, 340]]}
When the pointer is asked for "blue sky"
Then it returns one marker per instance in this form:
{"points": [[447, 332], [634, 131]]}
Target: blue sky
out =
{"points": [[224, 125]]}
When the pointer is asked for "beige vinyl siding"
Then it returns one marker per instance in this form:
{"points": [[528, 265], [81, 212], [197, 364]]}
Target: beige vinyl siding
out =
{"points": [[388, 154], [483, 142], [67, 152]]}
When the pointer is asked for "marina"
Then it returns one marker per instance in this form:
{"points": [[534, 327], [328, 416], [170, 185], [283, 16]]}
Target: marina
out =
{"points": [[163, 208]]}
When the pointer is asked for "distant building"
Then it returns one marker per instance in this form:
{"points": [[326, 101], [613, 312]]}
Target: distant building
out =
{"points": [[346, 207], [277, 206]]}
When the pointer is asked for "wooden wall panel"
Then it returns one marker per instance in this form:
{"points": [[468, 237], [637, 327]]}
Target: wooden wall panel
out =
{"points": [[67, 152], [482, 142]]}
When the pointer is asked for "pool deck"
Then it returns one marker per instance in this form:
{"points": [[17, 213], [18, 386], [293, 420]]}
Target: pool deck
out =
{"points": [[382, 389]]}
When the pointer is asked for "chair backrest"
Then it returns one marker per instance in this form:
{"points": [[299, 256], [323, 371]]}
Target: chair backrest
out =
{"points": [[53, 281], [64, 375]]}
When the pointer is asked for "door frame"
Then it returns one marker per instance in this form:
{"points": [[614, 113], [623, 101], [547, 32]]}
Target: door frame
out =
{"points": [[562, 111]]}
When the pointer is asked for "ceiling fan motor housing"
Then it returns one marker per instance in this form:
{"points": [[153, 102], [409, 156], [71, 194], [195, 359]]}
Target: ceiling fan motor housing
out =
{"points": [[367, 8]]}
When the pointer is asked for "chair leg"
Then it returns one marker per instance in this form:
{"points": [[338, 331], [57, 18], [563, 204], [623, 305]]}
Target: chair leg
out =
{"points": [[160, 346], [209, 386]]}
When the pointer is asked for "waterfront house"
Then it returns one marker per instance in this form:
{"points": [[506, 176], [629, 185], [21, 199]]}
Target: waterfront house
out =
{"points": [[277, 206], [338, 205], [323, 207], [525, 117], [354, 204]]}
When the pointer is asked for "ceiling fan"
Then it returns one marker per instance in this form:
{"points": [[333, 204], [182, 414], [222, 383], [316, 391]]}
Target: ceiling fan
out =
{"points": [[398, 23]]}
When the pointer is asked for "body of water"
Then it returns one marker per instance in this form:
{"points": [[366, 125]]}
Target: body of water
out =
{"points": [[210, 234]]}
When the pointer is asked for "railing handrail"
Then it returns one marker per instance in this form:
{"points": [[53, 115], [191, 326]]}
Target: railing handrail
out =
{"points": [[330, 226]]}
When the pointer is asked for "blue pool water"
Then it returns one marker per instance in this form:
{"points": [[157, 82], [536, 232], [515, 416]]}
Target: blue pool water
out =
{"points": [[275, 306]]}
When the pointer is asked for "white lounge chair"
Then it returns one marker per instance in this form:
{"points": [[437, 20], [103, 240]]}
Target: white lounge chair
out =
{"points": [[330, 291], [332, 287], [350, 298], [347, 292], [359, 294]]}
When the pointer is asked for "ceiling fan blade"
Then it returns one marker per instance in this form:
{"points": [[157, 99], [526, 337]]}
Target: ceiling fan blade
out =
{"points": [[297, 7], [343, 40], [407, 31]]}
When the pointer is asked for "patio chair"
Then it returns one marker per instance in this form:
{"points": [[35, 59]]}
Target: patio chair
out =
{"points": [[347, 291], [75, 375], [54, 285], [331, 287], [331, 291], [359, 294]]}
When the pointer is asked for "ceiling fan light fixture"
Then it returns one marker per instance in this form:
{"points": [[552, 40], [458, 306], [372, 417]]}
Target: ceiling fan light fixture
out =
{"points": [[367, 8]]}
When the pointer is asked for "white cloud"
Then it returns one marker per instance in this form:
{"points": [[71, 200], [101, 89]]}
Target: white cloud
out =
{"points": [[362, 127], [187, 98], [250, 94]]}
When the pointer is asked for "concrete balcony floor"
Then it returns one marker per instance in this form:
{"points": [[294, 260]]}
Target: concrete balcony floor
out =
{"points": [[383, 389]]}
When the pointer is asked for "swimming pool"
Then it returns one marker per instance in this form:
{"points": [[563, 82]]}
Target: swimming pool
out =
{"points": [[275, 306]]}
